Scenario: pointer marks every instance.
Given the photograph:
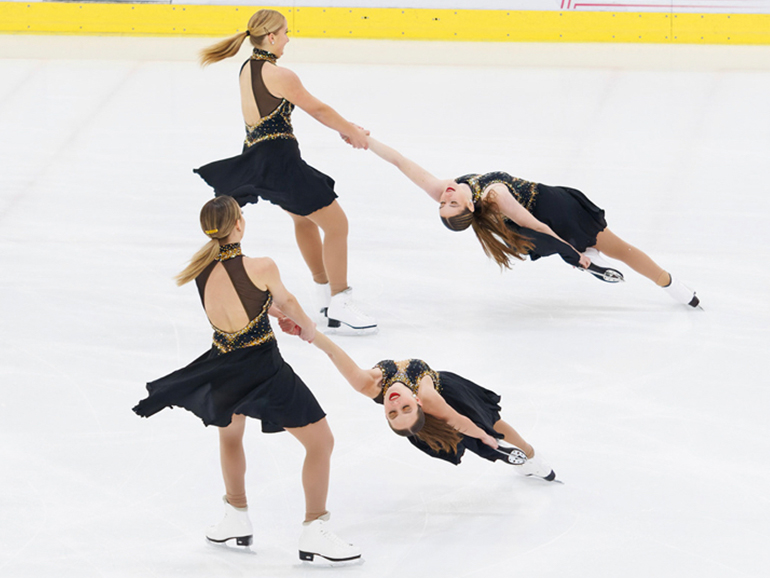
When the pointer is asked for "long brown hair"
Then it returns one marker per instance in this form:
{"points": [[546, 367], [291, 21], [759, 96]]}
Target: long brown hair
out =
{"points": [[218, 218], [498, 241], [262, 23], [438, 434]]}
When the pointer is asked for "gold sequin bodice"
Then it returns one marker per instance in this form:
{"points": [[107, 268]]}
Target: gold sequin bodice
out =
{"points": [[525, 192], [409, 372], [258, 330]]}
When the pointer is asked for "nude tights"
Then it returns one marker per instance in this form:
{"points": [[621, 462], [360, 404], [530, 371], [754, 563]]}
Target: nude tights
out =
{"points": [[318, 442]]}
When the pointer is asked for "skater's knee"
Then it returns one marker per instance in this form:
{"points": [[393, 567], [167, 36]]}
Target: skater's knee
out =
{"points": [[338, 226], [324, 444], [317, 438], [332, 220], [230, 444], [302, 224]]}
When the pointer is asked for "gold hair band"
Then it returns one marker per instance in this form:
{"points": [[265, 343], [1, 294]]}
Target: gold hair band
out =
{"points": [[211, 232]]}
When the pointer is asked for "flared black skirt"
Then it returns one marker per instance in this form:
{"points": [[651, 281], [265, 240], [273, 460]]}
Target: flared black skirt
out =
{"points": [[272, 170], [571, 215], [253, 381], [478, 404]]}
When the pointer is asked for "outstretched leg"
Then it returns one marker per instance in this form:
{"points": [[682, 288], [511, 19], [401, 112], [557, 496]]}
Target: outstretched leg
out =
{"points": [[319, 443], [512, 437], [616, 248], [535, 465]]}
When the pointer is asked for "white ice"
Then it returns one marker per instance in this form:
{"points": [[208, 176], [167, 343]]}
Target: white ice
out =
{"points": [[655, 416]]}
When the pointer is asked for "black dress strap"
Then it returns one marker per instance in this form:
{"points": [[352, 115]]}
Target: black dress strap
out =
{"points": [[266, 102], [252, 297], [202, 279]]}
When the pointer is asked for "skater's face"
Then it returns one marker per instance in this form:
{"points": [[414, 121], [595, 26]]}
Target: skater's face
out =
{"points": [[455, 199], [401, 406], [276, 42]]}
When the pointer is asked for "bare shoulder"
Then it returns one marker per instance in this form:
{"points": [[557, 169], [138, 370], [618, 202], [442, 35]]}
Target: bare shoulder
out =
{"points": [[373, 385], [427, 389], [498, 188], [279, 74], [259, 264], [261, 270]]}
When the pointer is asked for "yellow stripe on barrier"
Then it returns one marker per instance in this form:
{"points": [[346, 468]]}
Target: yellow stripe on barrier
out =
{"points": [[388, 23]]}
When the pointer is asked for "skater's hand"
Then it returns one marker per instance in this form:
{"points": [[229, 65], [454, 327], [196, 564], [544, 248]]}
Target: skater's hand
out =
{"points": [[357, 137], [308, 333], [490, 441], [288, 326], [584, 261]]}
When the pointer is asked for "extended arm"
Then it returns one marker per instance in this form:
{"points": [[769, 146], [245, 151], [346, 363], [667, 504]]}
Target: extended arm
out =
{"points": [[286, 84], [264, 271], [363, 381], [435, 405], [414, 172]]}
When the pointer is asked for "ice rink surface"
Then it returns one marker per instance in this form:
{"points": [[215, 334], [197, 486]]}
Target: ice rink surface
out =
{"points": [[655, 416]]}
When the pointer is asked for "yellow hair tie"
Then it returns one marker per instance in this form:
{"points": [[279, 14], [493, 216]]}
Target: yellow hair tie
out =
{"points": [[211, 232]]}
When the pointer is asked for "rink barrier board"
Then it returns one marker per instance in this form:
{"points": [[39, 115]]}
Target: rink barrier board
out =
{"points": [[387, 23]]}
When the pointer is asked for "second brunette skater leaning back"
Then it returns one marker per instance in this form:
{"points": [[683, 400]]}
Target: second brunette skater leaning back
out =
{"points": [[512, 218]]}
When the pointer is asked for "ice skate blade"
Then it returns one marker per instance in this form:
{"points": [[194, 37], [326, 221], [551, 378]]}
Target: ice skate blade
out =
{"points": [[309, 556], [244, 541], [334, 327], [606, 274], [549, 478]]}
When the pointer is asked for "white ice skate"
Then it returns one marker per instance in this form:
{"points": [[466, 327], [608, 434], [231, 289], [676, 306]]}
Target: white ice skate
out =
{"points": [[318, 540], [513, 455], [681, 293], [234, 526], [345, 315], [322, 294], [600, 269], [536, 467]]}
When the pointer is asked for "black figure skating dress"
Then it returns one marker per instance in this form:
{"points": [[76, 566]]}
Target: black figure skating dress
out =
{"points": [[478, 404], [270, 165], [243, 372], [568, 212]]}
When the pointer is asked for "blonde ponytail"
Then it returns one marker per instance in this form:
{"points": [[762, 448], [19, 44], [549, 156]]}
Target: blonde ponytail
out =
{"points": [[199, 262], [222, 49], [261, 24], [218, 218]]}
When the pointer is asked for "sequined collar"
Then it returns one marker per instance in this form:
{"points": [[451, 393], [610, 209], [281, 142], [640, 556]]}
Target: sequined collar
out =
{"points": [[476, 191], [229, 251], [260, 54], [399, 376], [472, 180]]}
